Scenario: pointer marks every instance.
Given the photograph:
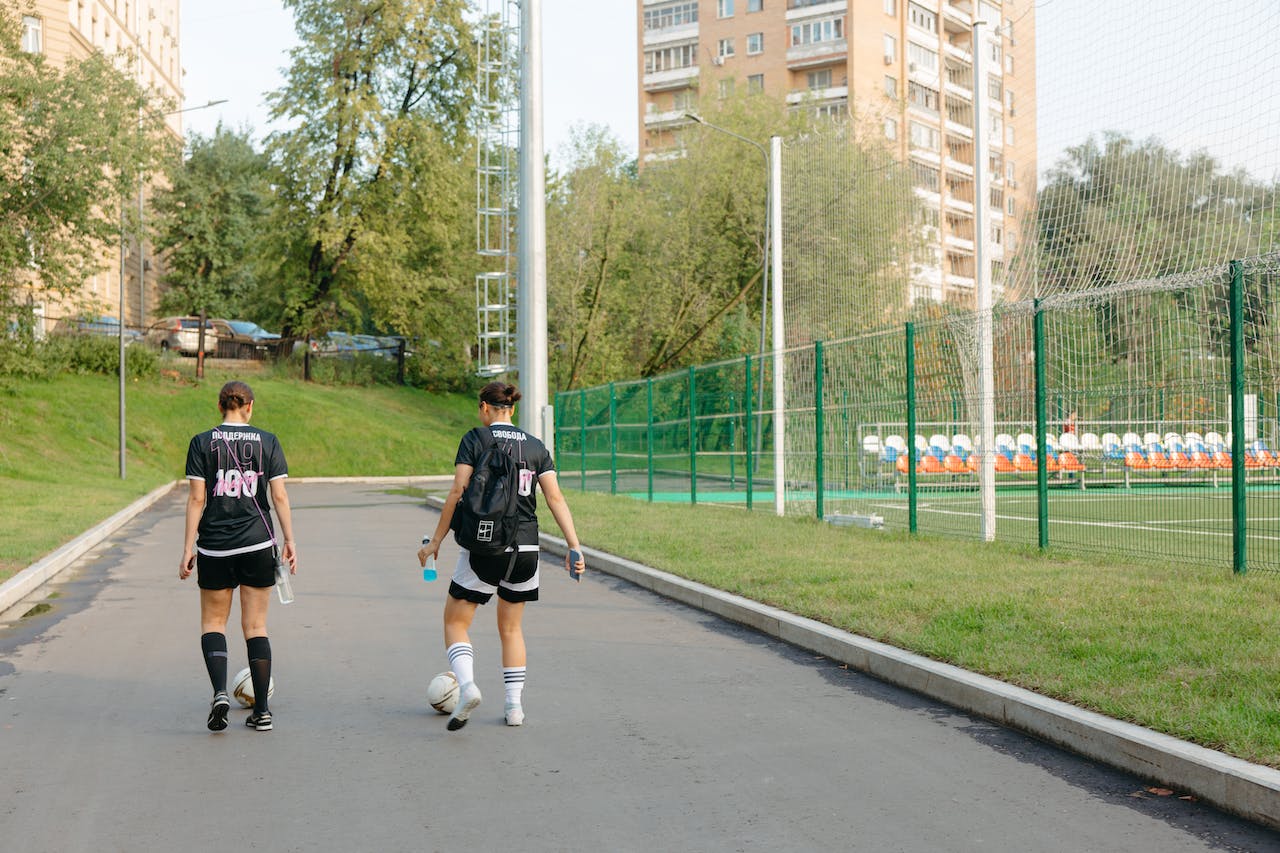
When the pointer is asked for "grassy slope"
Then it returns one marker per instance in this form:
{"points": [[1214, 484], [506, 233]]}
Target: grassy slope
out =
{"points": [[59, 468]]}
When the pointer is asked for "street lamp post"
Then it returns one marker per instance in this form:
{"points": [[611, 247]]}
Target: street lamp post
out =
{"points": [[142, 274], [771, 285]]}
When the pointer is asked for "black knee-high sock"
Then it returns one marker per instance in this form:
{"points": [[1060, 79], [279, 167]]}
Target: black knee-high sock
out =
{"points": [[259, 669], [214, 646]]}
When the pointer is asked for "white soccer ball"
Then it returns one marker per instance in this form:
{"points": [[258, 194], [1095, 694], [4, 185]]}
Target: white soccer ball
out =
{"points": [[442, 692], [242, 687]]}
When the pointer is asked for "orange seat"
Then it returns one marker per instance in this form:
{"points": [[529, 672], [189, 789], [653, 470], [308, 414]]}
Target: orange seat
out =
{"points": [[931, 464], [1221, 459], [1051, 463], [1134, 459], [1200, 459], [953, 464], [1180, 460], [901, 465], [1024, 463], [1251, 460], [1157, 459], [972, 462], [1068, 461], [1004, 465]]}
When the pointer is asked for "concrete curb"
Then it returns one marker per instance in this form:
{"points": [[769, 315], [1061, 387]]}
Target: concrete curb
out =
{"points": [[46, 568], [1249, 790]]}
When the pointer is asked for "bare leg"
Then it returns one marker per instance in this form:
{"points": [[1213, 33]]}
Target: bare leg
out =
{"points": [[511, 633]]}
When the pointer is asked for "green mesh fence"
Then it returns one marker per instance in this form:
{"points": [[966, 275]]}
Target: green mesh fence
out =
{"points": [[1115, 429]]}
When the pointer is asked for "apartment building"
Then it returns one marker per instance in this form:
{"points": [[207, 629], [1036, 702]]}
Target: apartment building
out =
{"points": [[904, 65], [144, 37]]}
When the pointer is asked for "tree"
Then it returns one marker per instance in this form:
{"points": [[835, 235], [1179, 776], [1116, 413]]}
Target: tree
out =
{"points": [[373, 178], [73, 142], [209, 224]]}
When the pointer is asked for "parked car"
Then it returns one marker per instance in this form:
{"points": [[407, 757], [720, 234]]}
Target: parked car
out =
{"points": [[243, 339], [105, 325], [182, 335]]}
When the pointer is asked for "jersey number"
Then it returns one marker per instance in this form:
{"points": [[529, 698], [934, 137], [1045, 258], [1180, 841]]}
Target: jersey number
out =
{"points": [[232, 484]]}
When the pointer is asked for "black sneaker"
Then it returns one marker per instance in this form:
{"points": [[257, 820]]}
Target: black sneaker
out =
{"points": [[218, 712], [260, 720]]}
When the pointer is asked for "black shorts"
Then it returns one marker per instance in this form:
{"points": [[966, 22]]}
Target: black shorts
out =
{"points": [[253, 568], [476, 578]]}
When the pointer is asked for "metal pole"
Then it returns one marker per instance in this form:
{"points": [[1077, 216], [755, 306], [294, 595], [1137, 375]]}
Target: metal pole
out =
{"points": [[1042, 461], [121, 368], [693, 436], [613, 440], [913, 521], [747, 420], [649, 431], [1239, 506], [531, 309], [986, 360], [779, 396], [818, 427], [582, 443]]}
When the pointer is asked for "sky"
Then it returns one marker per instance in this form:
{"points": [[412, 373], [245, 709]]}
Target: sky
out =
{"points": [[224, 59], [1100, 66]]}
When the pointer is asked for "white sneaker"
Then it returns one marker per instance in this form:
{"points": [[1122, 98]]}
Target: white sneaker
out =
{"points": [[468, 701], [515, 715]]}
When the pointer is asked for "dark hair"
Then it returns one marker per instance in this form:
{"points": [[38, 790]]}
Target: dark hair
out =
{"points": [[234, 395], [500, 395]]}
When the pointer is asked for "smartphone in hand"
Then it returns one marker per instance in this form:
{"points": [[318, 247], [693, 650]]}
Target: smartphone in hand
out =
{"points": [[574, 557]]}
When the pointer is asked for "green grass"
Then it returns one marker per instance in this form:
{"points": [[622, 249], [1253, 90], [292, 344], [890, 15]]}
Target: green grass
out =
{"points": [[59, 463], [1189, 651]]}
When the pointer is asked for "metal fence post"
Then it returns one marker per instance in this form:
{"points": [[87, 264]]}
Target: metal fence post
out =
{"points": [[613, 439], [649, 432], [582, 444], [1042, 461], [818, 426], [749, 415], [913, 521], [1239, 507], [693, 437]]}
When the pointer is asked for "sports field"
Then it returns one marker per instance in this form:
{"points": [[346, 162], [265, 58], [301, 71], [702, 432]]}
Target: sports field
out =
{"points": [[1190, 523]]}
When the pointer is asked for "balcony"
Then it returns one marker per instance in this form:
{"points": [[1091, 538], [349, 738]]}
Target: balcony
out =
{"points": [[821, 53], [674, 78], [666, 119], [818, 96], [680, 32], [800, 9]]}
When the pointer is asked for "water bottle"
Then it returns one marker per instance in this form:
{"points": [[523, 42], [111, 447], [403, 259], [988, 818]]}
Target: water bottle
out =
{"points": [[429, 571], [284, 587]]}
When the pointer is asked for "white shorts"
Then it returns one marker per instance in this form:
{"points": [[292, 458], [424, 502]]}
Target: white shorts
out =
{"points": [[523, 585]]}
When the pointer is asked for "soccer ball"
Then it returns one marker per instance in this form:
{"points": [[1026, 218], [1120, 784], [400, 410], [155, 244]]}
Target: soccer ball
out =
{"points": [[242, 687], [442, 692]]}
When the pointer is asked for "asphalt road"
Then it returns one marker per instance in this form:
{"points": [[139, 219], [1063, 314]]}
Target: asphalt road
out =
{"points": [[650, 725]]}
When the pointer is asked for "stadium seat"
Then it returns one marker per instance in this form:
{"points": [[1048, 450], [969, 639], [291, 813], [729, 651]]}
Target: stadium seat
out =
{"points": [[1027, 444], [1198, 455], [871, 445], [1068, 461], [1023, 463], [931, 464], [1004, 465], [972, 462], [1069, 442], [1111, 447], [894, 447], [955, 464], [1156, 456], [1213, 441], [939, 445], [1265, 456], [1135, 460], [1005, 446], [961, 445]]}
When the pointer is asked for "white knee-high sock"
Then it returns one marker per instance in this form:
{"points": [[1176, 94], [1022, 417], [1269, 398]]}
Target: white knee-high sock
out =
{"points": [[462, 662], [513, 678]]}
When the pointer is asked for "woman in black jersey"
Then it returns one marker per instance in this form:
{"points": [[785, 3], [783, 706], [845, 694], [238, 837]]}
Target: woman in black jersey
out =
{"points": [[476, 578], [231, 542]]}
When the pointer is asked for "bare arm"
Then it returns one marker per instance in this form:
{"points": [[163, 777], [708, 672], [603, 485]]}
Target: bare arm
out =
{"points": [[280, 498], [195, 509], [560, 512], [461, 476]]}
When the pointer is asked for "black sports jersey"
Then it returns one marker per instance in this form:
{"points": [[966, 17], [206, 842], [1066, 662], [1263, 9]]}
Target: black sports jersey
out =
{"points": [[532, 459], [230, 523]]}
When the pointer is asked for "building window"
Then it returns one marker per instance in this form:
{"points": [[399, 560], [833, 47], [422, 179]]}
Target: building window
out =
{"points": [[724, 48], [891, 7], [994, 87], [996, 53], [923, 97], [997, 235], [1010, 173], [815, 32], [755, 5], [726, 88], [755, 44], [683, 100], [890, 50], [891, 128], [755, 82], [1010, 244], [671, 15], [819, 79], [1012, 206], [926, 177], [1008, 135], [891, 87], [832, 110], [1008, 64], [922, 18], [724, 8], [667, 58], [1008, 101], [924, 136], [923, 58], [32, 34]]}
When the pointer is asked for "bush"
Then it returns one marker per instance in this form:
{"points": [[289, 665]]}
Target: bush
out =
{"points": [[82, 354]]}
